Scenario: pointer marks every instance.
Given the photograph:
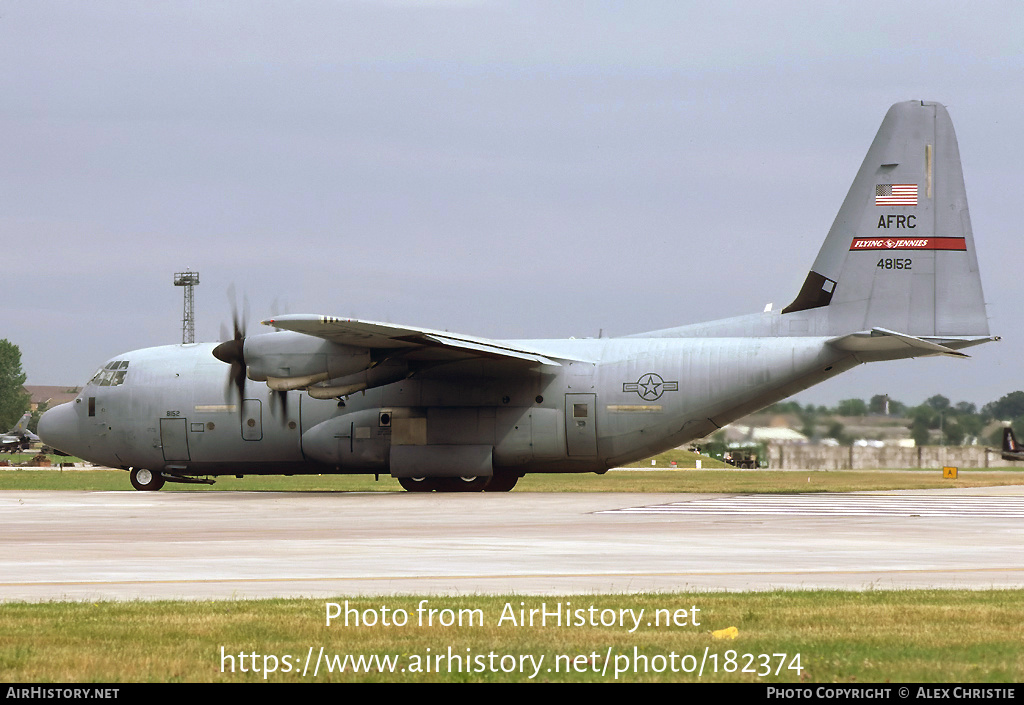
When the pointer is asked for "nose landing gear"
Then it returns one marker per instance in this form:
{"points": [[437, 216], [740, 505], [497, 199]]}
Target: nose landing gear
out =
{"points": [[146, 480]]}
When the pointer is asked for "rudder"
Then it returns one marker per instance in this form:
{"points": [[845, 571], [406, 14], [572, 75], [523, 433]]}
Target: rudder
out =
{"points": [[1010, 444]]}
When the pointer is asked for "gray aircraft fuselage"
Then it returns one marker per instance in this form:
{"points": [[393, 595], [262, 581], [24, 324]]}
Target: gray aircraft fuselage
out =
{"points": [[625, 400], [19, 438], [896, 277]]}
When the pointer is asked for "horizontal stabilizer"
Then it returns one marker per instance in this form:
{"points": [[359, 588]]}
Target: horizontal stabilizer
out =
{"points": [[881, 340]]}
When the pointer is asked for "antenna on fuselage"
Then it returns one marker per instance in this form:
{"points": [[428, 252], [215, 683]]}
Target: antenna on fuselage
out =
{"points": [[189, 280]]}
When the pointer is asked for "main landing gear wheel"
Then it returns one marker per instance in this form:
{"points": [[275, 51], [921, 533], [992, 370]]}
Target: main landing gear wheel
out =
{"points": [[444, 484], [418, 484], [465, 484], [502, 482], [146, 480]]}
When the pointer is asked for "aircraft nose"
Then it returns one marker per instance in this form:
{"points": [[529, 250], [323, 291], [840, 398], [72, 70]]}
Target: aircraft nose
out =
{"points": [[58, 427]]}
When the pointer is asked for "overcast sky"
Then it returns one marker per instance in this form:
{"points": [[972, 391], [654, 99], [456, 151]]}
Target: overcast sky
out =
{"points": [[510, 170]]}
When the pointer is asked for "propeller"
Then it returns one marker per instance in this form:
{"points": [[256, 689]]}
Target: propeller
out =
{"points": [[232, 351], [278, 398]]}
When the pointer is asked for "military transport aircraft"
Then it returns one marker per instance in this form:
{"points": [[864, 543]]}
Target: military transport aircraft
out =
{"points": [[1012, 450], [19, 437], [896, 277]]}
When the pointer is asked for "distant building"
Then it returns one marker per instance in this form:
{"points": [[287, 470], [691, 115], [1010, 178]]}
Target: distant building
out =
{"points": [[734, 433], [51, 396], [889, 442]]}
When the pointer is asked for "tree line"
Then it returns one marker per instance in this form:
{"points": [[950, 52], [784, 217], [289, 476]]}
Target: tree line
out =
{"points": [[937, 420], [13, 400]]}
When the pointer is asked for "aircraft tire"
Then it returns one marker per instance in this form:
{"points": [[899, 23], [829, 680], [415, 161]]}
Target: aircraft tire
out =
{"points": [[502, 482], [146, 480], [418, 484], [465, 484]]}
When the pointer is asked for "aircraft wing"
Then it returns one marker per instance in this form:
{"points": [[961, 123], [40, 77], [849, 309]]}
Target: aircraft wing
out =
{"points": [[421, 343]]}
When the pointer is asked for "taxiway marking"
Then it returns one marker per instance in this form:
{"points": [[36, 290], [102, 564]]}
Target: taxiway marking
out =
{"points": [[841, 505]]}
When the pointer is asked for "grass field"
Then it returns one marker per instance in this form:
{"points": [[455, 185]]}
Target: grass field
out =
{"points": [[833, 637], [664, 480], [796, 637]]}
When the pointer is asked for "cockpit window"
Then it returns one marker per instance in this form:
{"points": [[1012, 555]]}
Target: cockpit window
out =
{"points": [[111, 375]]}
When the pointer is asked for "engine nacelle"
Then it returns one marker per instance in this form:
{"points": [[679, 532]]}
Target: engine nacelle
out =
{"points": [[367, 379], [293, 360]]}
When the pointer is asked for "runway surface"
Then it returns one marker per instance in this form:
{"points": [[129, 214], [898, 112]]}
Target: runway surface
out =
{"points": [[213, 545]]}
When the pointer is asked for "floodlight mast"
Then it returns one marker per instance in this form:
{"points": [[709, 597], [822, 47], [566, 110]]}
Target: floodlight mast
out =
{"points": [[188, 280]]}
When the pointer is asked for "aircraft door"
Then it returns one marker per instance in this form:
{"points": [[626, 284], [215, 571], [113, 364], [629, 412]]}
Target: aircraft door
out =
{"points": [[581, 424], [174, 439], [252, 420]]}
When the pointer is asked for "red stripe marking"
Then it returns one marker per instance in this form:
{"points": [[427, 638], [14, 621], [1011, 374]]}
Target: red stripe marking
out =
{"points": [[909, 243]]}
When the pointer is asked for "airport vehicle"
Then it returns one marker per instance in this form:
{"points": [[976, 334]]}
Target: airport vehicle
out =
{"points": [[1012, 450], [745, 458], [19, 437], [896, 277]]}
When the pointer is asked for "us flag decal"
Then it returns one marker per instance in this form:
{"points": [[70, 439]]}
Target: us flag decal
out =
{"points": [[896, 195]]}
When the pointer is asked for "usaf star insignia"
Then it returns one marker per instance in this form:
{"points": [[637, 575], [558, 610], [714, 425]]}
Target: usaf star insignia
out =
{"points": [[650, 386]]}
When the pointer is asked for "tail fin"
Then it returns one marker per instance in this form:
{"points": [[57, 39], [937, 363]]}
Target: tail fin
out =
{"points": [[900, 255], [22, 424], [1010, 444]]}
